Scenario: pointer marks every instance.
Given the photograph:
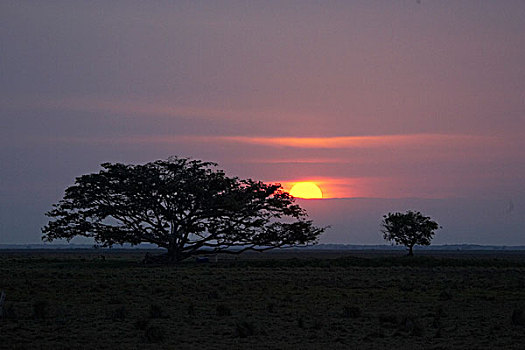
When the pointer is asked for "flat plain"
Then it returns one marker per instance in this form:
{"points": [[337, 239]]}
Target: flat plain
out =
{"points": [[96, 299]]}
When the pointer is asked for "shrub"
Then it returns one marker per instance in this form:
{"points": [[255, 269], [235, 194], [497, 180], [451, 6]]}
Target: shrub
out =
{"points": [[154, 334], [244, 329], [270, 307], [518, 317], [223, 310], [445, 295], [411, 325], [141, 323], [155, 311], [115, 300], [350, 311], [40, 309], [318, 324], [388, 318], [191, 309], [118, 313], [213, 295], [10, 312], [300, 322]]}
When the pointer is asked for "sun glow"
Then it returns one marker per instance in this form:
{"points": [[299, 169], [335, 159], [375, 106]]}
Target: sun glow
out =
{"points": [[306, 190]]}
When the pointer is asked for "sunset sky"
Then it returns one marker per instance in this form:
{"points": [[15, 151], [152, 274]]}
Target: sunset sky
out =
{"points": [[386, 105]]}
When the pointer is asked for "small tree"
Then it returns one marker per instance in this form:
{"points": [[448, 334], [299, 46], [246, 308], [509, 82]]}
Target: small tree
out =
{"points": [[186, 206], [408, 229]]}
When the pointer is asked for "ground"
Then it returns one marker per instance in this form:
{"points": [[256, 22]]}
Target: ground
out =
{"points": [[287, 300]]}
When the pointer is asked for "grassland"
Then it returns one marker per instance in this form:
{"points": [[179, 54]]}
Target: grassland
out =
{"points": [[314, 300]]}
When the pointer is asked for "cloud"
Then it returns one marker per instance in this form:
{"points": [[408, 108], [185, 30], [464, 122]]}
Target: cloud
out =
{"points": [[336, 142], [127, 106], [356, 141]]}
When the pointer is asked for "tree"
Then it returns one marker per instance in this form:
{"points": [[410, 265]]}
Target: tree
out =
{"points": [[185, 206], [408, 229]]}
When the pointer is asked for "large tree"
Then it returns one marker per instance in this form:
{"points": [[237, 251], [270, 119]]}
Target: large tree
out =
{"points": [[408, 229], [187, 206]]}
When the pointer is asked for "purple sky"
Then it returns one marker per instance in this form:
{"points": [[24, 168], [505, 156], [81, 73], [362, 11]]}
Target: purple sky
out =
{"points": [[420, 104]]}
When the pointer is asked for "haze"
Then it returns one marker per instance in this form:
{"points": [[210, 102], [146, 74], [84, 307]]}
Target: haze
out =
{"points": [[386, 105]]}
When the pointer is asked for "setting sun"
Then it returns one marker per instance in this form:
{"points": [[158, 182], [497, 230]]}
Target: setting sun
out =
{"points": [[307, 190]]}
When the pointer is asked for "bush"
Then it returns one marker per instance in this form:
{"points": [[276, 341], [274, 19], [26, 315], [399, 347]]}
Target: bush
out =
{"points": [[388, 318], [213, 295], [141, 323], [350, 311], [518, 317], [244, 329], [118, 313], [223, 310], [270, 307], [317, 325], [40, 309], [191, 309], [154, 334], [411, 326], [10, 312], [115, 300], [155, 311], [300, 322], [445, 295]]}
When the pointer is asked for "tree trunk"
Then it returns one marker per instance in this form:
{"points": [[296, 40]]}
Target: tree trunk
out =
{"points": [[174, 255], [410, 251]]}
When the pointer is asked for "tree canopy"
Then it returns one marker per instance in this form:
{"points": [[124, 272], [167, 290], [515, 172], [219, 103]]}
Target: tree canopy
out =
{"points": [[408, 229], [187, 206]]}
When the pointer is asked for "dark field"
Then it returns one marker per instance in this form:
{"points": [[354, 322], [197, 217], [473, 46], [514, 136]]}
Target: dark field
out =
{"points": [[285, 300]]}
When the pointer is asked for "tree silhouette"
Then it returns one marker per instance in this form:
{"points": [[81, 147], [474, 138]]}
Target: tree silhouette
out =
{"points": [[186, 206], [408, 229]]}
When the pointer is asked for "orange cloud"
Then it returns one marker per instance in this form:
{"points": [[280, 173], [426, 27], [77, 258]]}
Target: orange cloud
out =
{"points": [[455, 143], [352, 141]]}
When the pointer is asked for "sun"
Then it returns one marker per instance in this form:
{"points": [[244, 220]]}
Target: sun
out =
{"points": [[307, 190]]}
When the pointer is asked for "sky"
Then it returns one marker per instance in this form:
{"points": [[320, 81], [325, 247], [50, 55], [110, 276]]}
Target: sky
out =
{"points": [[386, 105]]}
